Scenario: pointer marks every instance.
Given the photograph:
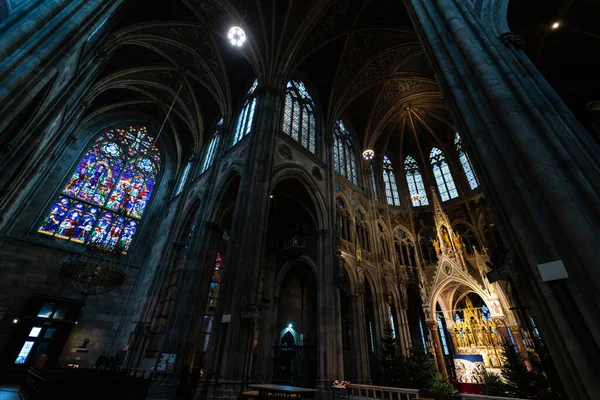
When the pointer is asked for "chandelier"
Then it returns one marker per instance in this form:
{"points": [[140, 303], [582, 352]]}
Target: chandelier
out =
{"points": [[368, 154], [236, 36], [99, 269]]}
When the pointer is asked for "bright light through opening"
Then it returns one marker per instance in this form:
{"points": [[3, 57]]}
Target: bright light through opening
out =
{"points": [[556, 25], [236, 36]]}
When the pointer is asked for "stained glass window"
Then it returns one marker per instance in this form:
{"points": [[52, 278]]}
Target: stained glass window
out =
{"points": [[106, 196], [212, 148], [389, 179], [344, 160], [24, 353], [442, 175], [442, 335], [423, 336], [211, 304], [299, 115], [466, 163], [374, 183], [418, 195], [244, 122], [184, 177]]}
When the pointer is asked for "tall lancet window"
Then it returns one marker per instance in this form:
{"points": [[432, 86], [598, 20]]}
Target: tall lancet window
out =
{"points": [[418, 195], [389, 178], [374, 182], [212, 148], [244, 122], [466, 163], [184, 176], [299, 116], [344, 160], [442, 175], [106, 196]]}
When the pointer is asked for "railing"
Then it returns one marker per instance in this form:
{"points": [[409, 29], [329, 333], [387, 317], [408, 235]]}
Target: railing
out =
{"points": [[484, 397], [381, 392]]}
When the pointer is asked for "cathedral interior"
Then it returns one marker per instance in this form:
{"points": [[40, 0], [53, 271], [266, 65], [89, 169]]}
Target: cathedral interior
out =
{"points": [[267, 191]]}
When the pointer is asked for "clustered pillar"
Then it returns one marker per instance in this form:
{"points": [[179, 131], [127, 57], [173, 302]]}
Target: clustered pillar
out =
{"points": [[540, 170]]}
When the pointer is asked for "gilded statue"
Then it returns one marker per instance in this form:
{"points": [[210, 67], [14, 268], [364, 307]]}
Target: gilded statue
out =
{"points": [[458, 242], [446, 237], [436, 245]]}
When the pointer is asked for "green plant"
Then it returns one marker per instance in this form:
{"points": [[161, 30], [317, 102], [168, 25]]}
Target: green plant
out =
{"points": [[440, 385], [390, 358], [519, 381], [418, 369], [493, 384]]}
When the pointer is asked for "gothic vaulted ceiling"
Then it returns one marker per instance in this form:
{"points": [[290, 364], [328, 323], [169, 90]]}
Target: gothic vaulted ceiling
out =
{"points": [[360, 59]]}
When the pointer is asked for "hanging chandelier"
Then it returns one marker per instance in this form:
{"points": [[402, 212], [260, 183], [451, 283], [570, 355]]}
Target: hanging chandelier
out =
{"points": [[99, 269], [236, 36], [368, 154]]}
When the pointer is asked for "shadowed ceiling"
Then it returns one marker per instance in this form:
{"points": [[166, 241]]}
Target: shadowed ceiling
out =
{"points": [[361, 61]]}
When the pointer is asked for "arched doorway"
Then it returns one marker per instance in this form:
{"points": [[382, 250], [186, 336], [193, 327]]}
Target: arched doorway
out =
{"points": [[295, 360]]}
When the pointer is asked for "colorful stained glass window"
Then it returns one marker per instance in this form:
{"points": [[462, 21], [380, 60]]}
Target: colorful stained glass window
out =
{"points": [[299, 115], [466, 163], [107, 194], [442, 175], [211, 304], [244, 123], [389, 179], [374, 183], [418, 195], [344, 159], [212, 148]]}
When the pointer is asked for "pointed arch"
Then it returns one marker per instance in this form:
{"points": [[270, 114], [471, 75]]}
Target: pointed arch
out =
{"points": [[107, 194], [344, 158], [389, 179], [209, 156], [299, 115], [418, 194], [442, 174], [466, 163], [246, 117]]}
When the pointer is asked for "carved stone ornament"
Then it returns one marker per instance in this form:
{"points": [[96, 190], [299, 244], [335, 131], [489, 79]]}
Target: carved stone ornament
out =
{"points": [[338, 277], [225, 166], [510, 40], [285, 152], [360, 280], [316, 172]]}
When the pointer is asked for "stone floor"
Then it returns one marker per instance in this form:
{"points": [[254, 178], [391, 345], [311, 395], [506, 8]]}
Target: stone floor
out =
{"points": [[9, 392]]}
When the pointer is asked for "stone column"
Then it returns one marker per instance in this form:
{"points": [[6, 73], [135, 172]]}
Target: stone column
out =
{"points": [[516, 334], [331, 364], [361, 350], [538, 166], [502, 330], [241, 280], [182, 331], [267, 332], [439, 350]]}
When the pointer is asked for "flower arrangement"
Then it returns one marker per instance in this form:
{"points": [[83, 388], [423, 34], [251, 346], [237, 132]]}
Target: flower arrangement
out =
{"points": [[340, 384]]}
